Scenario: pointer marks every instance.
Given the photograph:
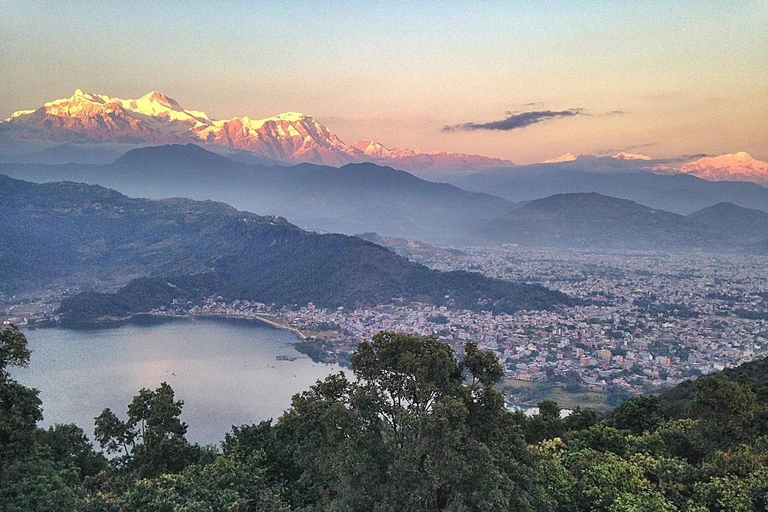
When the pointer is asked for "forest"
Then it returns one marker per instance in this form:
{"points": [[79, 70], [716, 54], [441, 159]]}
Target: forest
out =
{"points": [[417, 429]]}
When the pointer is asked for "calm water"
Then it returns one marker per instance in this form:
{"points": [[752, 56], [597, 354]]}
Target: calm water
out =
{"points": [[224, 370]]}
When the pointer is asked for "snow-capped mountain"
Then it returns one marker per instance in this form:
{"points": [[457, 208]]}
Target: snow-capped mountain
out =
{"points": [[288, 137], [731, 167], [630, 156], [155, 118], [568, 157], [416, 160]]}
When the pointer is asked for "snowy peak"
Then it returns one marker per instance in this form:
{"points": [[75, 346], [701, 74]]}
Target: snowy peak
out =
{"points": [[730, 160], [372, 148], [81, 104], [568, 157], [288, 137], [630, 156], [160, 98], [417, 160], [155, 118], [738, 166]]}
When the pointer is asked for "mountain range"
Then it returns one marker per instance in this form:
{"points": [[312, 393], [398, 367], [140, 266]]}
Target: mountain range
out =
{"points": [[155, 118], [365, 197], [104, 127], [678, 192], [354, 198], [740, 166], [595, 221], [69, 234]]}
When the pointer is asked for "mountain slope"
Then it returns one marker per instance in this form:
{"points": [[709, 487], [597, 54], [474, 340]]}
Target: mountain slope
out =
{"points": [[734, 221], [351, 199], [186, 250], [595, 221], [155, 118]]}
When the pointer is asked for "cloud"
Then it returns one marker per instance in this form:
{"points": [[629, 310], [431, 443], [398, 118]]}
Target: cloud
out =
{"points": [[517, 120], [627, 148], [528, 105]]}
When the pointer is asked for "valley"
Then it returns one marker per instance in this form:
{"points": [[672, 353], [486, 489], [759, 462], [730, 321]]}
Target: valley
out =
{"points": [[384, 257]]}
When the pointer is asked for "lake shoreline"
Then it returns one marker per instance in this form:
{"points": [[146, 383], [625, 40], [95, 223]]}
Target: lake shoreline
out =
{"points": [[228, 371], [306, 343], [117, 322]]}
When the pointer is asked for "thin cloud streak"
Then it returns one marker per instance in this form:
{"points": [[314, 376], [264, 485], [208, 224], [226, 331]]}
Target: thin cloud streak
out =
{"points": [[626, 148], [517, 120]]}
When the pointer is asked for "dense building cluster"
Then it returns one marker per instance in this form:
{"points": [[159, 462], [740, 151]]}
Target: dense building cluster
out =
{"points": [[644, 321]]}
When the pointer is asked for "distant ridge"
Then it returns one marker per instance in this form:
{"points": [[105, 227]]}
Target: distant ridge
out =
{"points": [[596, 221], [83, 235], [177, 154], [671, 190], [734, 221], [353, 198]]}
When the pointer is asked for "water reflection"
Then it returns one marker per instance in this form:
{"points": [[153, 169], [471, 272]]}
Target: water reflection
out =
{"points": [[225, 370]]}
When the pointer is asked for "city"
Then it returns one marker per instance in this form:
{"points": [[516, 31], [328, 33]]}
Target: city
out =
{"points": [[644, 321]]}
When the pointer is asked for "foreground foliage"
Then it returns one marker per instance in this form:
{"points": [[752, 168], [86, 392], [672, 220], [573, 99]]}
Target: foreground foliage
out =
{"points": [[416, 429]]}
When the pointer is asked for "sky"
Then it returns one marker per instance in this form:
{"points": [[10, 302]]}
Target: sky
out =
{"points": [[519, 80]]}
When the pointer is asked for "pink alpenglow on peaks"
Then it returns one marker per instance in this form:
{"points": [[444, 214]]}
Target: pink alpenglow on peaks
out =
{"points": [[416, 159], [155, 118], [372, 148], [630, 156], [568, 157], [731, 167]]}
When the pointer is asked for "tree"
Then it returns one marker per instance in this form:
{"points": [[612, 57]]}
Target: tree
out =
{"points": [[616, 395], [573, 383], [482, 366], [13, 349], [579, 419], [31, 480], [549, 410], [231, 483], [69, 446], [405, 376], [601, 438], [20, 406], [731, 409], [113, 434], [19, 413], [152, 440], [35, 483], [407, 435], [638, 414], [547, 424], [609, 483]]}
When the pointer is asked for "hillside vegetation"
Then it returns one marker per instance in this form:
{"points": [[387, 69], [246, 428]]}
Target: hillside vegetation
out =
{"points": [[415, 430], [184, 250]]}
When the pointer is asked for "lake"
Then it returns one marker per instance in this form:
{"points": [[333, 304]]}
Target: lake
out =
{"points": [[225, 370]]}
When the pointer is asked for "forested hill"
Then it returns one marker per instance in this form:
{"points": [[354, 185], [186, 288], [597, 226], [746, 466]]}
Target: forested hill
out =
{"points": [[752, 375], [180, 249]]}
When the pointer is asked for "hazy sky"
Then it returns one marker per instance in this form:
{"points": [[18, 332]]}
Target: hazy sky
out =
{"points": [[661, 78]]}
